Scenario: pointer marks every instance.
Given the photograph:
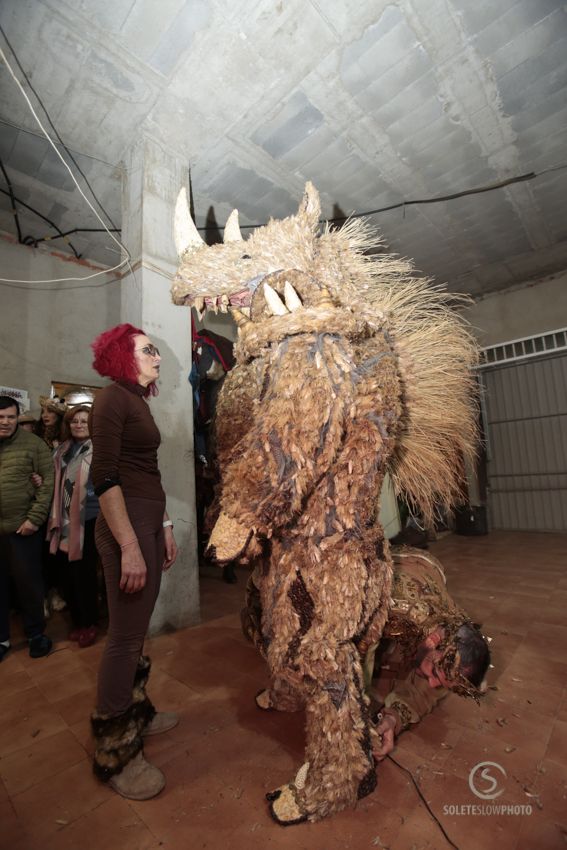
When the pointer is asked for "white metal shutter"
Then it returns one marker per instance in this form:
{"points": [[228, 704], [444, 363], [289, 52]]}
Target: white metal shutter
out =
{"points": [[526, 424]]}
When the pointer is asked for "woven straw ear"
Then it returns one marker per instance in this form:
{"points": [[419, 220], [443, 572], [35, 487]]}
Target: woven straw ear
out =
{"points": [[310, 205]]}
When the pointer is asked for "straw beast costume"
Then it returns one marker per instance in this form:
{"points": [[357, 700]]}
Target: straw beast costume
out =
{"points": [[345, 368]]}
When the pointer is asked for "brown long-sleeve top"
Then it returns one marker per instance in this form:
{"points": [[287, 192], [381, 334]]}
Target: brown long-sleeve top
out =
{"points": [[125, 443]]}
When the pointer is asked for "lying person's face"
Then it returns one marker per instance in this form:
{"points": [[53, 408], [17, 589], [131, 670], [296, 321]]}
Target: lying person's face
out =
{"points": [[429, 670], [427, 659]]}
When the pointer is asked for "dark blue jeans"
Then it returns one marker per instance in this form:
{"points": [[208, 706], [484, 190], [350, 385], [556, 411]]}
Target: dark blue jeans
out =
{"points": [[20, 560]]}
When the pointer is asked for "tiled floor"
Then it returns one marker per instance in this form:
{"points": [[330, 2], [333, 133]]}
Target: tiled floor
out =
{"points": [[225, 754]]}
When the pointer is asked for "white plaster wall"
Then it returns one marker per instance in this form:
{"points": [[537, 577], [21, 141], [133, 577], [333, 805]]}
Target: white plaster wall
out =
{"points": [[534, 308], [146, 303], [46, 329]]}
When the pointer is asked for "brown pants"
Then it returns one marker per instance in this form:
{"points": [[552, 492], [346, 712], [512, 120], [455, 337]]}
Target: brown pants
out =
{"points": [[129, 613]]}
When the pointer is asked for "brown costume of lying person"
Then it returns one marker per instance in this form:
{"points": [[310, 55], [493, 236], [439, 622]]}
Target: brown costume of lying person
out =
{"points": [[345, 368], [429, 647]]}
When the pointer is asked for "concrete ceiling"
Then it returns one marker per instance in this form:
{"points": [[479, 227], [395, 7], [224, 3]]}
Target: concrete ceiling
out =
{"points": [[376, 102]]}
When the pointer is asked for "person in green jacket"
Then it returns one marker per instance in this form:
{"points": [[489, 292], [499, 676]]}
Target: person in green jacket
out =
{"points": [[23, 510]]}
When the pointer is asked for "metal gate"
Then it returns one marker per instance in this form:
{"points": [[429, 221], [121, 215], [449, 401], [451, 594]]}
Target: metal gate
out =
{"points": [[525, 407]]}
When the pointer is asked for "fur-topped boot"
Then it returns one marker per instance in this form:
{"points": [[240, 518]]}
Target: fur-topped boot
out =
{"points": [[158, 721], [118, 758]]}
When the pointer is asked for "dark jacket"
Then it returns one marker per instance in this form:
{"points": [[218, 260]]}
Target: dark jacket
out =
{"points": [[20, 455]]}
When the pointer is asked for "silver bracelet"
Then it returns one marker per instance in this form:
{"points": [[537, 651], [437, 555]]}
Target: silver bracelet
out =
{"points": [[167, 523]]}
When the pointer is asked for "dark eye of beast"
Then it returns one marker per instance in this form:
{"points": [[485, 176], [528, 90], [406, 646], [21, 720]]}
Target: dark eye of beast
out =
{"points": [[246, 257]]}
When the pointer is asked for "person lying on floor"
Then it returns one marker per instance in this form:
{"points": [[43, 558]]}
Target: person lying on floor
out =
{"points": [[429, 647]]}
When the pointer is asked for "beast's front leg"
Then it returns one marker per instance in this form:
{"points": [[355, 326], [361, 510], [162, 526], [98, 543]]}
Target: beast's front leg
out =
{"points": [[339, 767]]}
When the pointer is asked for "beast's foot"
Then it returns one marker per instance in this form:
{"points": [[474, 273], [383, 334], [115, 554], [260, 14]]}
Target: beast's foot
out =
{"points": [[285, 803]]}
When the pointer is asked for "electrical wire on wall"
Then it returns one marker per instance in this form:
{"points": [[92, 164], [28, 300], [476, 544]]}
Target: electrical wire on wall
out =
{"points": [[123, 262], [437, 199]]}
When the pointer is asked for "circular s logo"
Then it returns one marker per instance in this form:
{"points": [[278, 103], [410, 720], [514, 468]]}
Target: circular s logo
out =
{"points": [[482, 782]]}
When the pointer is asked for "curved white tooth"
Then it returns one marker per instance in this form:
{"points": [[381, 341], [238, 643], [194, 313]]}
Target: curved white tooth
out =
{"points": [[186, 235], [274, 301], [232, 229], [292, 299]]}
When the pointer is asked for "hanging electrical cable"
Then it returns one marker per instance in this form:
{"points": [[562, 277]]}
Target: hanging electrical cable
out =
{"points": [[126, 260], [54, 128], [10, 194], [437, 199], [29, 240], [334, 220]]}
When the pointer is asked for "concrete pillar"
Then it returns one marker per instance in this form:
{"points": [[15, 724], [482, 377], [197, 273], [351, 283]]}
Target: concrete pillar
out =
{"points": [[153, 179]]}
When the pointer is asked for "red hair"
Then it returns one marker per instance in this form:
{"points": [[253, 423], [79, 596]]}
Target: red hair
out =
{"points": [[114, 355]]}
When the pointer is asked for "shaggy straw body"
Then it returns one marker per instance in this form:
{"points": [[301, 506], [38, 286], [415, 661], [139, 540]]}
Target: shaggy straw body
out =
{"points": [[367, 370]]}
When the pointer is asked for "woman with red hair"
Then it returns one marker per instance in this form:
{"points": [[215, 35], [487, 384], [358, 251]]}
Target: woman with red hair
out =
{"points": [[134, 537]]}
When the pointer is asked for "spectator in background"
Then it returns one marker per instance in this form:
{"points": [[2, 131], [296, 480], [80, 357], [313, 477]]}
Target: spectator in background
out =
{"points": [[71, 525], [51, 420], [27, 422], [23, 510], [49, 428]]}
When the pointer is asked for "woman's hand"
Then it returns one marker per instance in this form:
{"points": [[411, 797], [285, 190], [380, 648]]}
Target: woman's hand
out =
{"points": [[386, 730], [133, 573], [170, 548], [36, 479], [27, 528]]}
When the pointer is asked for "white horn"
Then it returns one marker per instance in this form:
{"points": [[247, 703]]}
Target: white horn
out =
{"points": [[274, 301], [292, 300], [232, 228], [185, 233]]}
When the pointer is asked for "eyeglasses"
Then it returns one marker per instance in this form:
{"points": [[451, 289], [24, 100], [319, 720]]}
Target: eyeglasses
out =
{"points": [[150, 350]]}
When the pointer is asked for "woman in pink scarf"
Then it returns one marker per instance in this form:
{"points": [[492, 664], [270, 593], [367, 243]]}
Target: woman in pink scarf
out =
{"points": [[70, 527]]}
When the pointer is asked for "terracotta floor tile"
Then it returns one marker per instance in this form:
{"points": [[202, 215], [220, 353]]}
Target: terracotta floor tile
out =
{"points": [[167, 693], [225, 754], [66, 797], [14, 705], [81, 731], [542, 834], [14, 682], [459, 809], [77, 706], [68, 684], [12, 833], [113, 825], [91, 655], [35, 724], [557, 750], [549, 783], [57, 663], [39, 762], [562, 710], [395, 791]]}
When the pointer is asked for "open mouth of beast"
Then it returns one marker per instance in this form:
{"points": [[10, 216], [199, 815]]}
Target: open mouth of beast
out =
{"points": [[273, 294]]}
